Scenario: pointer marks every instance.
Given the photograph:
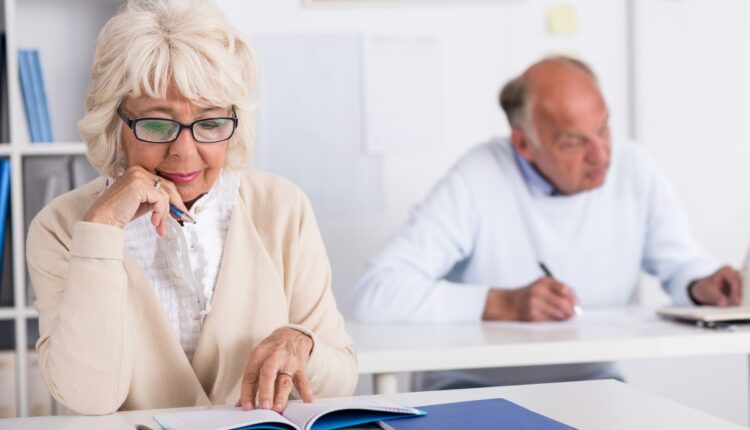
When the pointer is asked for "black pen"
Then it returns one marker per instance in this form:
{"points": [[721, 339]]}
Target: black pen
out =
{"points": [[577, 308]]}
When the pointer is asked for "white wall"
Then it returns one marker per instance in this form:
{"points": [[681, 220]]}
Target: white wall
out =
{"points": [[692, 105], [484, 44]]}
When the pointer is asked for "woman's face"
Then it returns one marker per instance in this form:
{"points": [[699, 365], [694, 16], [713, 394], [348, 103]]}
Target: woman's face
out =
{"points": [[192, 166]]}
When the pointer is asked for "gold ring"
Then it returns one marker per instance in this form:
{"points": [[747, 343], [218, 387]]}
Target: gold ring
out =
{"points": [[157, 183], [286, 372]]}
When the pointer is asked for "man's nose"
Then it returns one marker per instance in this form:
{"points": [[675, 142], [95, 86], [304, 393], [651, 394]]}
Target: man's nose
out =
{"points": [[597, 149]]}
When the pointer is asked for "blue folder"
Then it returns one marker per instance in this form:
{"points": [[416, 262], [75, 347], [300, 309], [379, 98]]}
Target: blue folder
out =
{"points": [[25, 73], [40, 97], [477, 415], [4, 204]]}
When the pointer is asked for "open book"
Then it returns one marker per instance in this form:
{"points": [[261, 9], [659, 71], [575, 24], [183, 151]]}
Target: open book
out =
{"points": [[297, 416]]}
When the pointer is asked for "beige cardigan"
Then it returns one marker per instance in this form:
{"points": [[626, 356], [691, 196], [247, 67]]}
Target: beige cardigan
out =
{"points": [[106, 343]]}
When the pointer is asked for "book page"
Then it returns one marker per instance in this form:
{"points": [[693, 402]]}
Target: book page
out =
{"points": [[305, 414], [220, 418]]}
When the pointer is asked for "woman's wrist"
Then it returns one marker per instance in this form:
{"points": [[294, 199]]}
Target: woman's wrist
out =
{"points": [[97, 217], [302, 338]]}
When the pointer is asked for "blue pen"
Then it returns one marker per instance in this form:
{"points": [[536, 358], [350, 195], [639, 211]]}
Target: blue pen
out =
{"points": [[181, 216]]}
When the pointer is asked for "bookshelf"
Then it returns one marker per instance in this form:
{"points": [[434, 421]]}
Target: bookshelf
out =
{"points": [[64, 32]]}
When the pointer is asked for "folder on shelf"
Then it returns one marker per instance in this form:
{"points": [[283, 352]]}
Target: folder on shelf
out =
{"points": [[6, 280], [4, 102], [25, 75], [4, 206], [34, 95], [40, 97], [477, 415]]}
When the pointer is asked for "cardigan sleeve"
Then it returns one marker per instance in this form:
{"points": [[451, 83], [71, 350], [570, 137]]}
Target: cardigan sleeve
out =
{"points": [[332, 368], [85, 344]]}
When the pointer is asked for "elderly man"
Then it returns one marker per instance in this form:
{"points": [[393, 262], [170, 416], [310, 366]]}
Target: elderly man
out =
{"points": [[557, 192]]}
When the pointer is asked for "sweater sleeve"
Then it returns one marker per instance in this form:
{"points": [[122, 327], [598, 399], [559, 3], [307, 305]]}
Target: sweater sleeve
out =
{"points": [[405, 281], [671, 253], [332, 367], [85, 351]]}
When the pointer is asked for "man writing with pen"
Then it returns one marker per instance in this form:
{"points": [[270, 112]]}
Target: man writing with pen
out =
{"points": [[558, 196]]}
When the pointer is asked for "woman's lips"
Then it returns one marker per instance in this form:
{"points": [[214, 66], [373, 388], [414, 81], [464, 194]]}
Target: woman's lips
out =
{"points": [[180, 178]]}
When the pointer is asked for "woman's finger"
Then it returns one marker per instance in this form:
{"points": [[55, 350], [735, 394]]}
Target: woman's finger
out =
{"points": [[267, 384], [249, 385], [161, 229], [303, 386], [160, 208], [284, 384], [174, 196]]}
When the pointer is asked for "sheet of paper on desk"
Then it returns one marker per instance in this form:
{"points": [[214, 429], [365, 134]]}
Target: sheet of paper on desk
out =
{"points": [[488, 414], [598, 318]]}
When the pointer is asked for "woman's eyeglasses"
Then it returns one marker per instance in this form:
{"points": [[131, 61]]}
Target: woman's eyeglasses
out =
{"points": [[160, 130]]}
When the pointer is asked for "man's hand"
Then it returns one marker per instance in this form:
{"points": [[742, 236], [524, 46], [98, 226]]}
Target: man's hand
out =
{"points": [[546, 299], [722, 288]]}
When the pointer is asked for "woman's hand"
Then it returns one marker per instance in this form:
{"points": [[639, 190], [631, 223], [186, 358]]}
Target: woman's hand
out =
{"points": [[274, 367], [132, 195]]}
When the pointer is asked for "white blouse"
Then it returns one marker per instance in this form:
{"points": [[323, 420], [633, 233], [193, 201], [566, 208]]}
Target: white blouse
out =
{"points": [[183, 266]]}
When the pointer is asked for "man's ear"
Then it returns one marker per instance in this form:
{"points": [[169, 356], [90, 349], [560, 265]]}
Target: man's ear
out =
{"points": [[521, 143]]}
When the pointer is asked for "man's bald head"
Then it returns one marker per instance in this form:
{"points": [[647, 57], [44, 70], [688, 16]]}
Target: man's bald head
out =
{"points": [[537, 83]]}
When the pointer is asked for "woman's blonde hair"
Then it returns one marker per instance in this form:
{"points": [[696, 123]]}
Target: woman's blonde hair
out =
{"points": [[151, 44]]}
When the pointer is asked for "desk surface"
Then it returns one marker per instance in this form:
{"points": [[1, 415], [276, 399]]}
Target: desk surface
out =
{"points": [[598, 335], [597, 405]]}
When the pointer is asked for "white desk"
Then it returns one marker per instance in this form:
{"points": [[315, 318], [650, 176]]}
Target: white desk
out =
{"points": [[585, 405], [604, 335]]}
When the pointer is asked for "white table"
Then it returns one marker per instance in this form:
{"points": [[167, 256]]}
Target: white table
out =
{"points": [[585, 405], [598, 335]]}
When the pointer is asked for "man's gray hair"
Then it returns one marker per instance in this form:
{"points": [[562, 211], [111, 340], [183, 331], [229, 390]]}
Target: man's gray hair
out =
{"points": [[515, 95]]}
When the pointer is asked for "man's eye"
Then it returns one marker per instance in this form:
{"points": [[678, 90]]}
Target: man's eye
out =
{"points": [[571, 143]]}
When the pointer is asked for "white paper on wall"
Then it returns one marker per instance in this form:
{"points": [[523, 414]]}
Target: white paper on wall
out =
{"points": [[402, 93], [310, 123]]}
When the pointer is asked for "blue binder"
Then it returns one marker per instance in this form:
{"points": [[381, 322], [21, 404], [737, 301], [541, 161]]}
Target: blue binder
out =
{"points": [[4, 204], [40, 97], [27, 89], [477, 415]]}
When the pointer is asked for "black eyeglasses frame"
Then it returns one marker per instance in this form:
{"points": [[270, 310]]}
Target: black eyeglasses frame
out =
{"points": [[131, 122]]}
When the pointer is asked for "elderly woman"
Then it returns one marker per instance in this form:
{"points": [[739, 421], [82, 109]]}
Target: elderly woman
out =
{"points": [[138, 307]]}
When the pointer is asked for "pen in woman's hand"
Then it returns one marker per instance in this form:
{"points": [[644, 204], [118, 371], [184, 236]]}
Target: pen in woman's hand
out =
{"points": [[180, 215], [576, 308]]}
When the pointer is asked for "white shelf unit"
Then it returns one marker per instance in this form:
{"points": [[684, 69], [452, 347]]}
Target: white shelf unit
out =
{"points": [[64, 32]]}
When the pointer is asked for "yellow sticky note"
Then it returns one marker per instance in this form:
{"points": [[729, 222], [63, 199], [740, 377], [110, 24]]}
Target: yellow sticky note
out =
{"points": [[562, 19]]}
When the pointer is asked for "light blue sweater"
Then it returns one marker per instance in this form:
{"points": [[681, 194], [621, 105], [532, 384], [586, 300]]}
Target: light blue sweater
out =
{"points": [[484, 226]]}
